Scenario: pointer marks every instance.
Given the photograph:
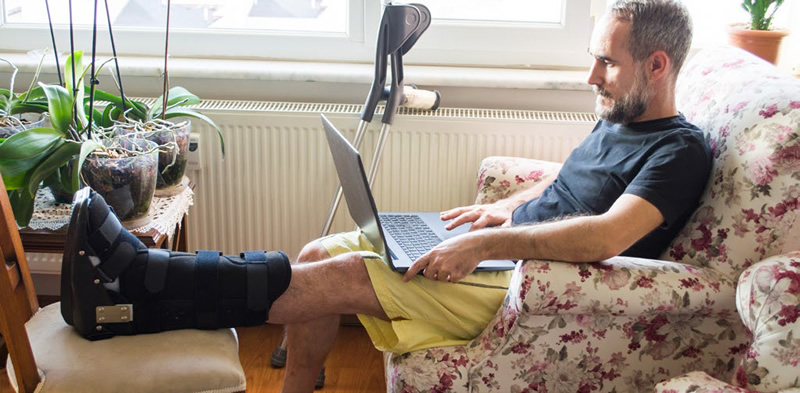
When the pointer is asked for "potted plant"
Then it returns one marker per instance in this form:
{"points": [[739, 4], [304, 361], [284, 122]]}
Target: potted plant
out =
{"points": [[123, 171], [21, 111], [154, 124], [33, 155], [758, 36]]}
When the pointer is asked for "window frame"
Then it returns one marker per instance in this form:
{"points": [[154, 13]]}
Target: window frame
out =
{"points": [[445, 43]]}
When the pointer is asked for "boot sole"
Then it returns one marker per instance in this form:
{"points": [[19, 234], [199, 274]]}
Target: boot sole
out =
{"points": [[77, 223]]}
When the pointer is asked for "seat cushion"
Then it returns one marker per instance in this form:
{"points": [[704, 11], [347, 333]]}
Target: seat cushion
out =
{"points": [[174, 361]]}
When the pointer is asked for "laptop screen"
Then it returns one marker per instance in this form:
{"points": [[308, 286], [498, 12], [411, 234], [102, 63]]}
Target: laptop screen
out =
{"points": [[355, 187]]}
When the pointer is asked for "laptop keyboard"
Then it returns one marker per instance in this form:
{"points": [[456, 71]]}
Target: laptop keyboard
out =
{"points": [[413, 235]]}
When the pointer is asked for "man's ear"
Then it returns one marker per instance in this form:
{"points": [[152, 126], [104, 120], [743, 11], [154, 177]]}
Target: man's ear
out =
{"points": [[659, 65]]}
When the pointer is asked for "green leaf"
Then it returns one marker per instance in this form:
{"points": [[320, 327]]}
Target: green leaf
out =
{"points": [[29, 143], [97, 117], [5, 93], [77, 95], [14, 182], [189, 112], [138, 111], [28, 107], [15, 171], [22, 206], [108, 116], [86, 148], [35, 94], [69, 71], [59, 101], [176, 96], [58, 158]]}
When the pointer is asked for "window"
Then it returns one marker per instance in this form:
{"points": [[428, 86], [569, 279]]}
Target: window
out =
{"points": [[469, 32]]}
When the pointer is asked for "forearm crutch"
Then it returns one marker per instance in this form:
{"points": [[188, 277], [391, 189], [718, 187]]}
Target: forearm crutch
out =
{"points": [[400, 28]]}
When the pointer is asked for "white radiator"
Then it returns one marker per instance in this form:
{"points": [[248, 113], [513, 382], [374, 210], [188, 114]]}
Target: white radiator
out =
{"points": [[273, 189]]}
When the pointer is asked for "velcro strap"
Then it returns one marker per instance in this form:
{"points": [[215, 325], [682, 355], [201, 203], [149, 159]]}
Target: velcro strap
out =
{"points": [[120, 256], [155, 274], [206, 289], [257, 280], [104, 237]]}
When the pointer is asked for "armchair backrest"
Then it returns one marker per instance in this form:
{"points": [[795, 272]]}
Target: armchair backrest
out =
{"points": [[750, 112]]}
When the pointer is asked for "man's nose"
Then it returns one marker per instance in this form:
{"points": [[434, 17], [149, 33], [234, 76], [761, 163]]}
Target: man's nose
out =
{"points": [[595, 76]]}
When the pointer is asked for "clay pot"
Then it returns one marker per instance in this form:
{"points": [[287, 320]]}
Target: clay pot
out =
{"points": [[762, 43]]}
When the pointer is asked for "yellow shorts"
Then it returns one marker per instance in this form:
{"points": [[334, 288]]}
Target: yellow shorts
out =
{"points": [[424, 313]]}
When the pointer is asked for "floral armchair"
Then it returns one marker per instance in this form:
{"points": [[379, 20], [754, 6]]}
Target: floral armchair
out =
{"points": [[626, 324]]}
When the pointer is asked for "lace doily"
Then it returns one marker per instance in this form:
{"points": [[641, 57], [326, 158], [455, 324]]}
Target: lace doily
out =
{"points": [[166, 212]]}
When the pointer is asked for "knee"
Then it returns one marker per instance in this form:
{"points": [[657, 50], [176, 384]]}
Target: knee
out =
{"points": [[313, 252]]}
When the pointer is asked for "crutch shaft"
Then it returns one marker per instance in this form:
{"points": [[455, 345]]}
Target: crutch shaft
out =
{"points": [[376, 159]]}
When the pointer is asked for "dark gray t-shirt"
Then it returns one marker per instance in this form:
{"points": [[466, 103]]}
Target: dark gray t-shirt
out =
{"points": [[665, 161]]}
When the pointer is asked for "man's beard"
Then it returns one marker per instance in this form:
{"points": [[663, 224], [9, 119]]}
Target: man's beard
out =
{"points": [[625, 109]]}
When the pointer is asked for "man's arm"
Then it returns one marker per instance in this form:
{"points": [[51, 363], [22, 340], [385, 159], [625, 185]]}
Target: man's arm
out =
{"points": [[577, 239], [497, 213]]}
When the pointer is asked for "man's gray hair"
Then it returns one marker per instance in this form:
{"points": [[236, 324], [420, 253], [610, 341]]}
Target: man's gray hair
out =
{"points": [[656, 25]]}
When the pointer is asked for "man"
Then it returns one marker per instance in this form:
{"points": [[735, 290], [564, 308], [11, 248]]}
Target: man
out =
{"points": [[627, 190]]}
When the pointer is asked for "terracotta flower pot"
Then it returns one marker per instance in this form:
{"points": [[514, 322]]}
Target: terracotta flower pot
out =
{"points": [[762, 43]]}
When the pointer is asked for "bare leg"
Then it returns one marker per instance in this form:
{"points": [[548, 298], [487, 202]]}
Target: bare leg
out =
{"points": [[318, 293]]}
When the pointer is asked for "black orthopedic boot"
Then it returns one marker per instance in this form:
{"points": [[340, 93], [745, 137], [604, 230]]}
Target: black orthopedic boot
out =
{"points": [[112, 284]]}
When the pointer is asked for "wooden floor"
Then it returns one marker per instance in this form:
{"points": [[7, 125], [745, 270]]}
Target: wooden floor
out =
{"points": [[354, 365]]}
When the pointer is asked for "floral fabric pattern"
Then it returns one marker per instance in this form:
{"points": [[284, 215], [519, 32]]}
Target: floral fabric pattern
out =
{"points": [[499, 177], [768, 298], [751, 115], [697, 382], [627, 324]]}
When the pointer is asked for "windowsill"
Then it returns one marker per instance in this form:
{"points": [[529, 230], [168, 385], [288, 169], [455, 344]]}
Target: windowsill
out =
{"points": [[289, 71], [471, 87]]}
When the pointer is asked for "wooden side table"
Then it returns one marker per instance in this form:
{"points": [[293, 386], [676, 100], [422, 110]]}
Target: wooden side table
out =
{"points": [[52, 241], [166, 229]]}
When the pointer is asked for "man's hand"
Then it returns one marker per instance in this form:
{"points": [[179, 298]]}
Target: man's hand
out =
{"points": [[481, 216], [451, 260]]}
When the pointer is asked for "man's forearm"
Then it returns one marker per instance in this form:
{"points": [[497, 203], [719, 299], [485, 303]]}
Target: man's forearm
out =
{"points": [[579, 239]]}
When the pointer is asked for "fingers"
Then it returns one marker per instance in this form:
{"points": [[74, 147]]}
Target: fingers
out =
{"points": [[432, 271], [417, 267], [480, 223], [464, 218], [446, 215]]}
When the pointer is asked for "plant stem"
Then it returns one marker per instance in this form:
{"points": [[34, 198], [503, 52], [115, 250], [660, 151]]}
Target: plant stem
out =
{"points": [[72, 57], [92, 80], [166, 73], [114, 53], [53, 39]]}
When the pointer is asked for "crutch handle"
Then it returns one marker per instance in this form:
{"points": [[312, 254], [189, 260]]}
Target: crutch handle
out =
{"points": [[420, 99]]}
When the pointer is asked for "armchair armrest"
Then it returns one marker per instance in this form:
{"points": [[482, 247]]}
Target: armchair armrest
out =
{"points": [[768, 297], [638, 318], [499, 177], [620, 286], [697, 382], [647, 296]]}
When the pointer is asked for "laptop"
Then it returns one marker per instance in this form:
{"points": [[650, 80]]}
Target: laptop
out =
{"points": [[400, 238]]}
